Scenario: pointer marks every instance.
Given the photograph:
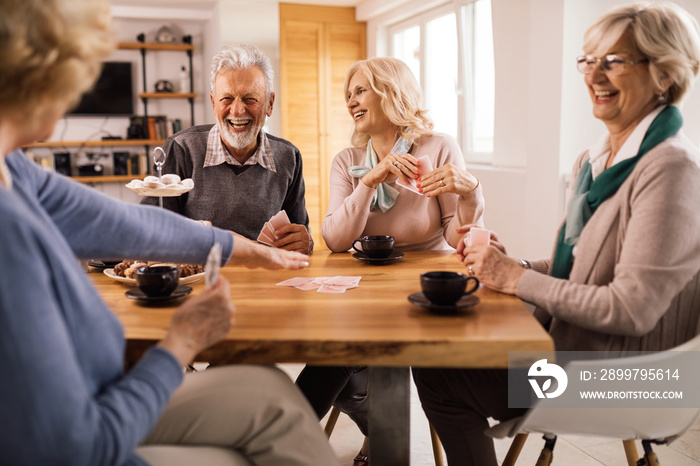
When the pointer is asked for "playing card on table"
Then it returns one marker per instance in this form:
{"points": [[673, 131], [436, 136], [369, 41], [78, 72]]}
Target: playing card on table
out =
{"points": [[211, 268], [425, 167], [295, 281]]}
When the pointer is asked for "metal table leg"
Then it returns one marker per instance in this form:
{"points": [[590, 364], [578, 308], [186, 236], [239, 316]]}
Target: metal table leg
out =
{"points": [[389, 416]]}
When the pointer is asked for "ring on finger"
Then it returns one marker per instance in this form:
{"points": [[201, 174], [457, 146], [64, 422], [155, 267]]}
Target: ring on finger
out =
{"points": [[470, 270], [396, 164], [442, 183]]}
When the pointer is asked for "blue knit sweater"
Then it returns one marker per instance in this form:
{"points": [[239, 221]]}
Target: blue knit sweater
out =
{"points": [[64, 399]]}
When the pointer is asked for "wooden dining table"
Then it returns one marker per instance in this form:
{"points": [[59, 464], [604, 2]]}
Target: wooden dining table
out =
{"points": [[372, 325]]}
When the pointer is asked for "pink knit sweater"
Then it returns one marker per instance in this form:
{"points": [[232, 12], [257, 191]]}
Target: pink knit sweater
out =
{"points": [[416, 222]]}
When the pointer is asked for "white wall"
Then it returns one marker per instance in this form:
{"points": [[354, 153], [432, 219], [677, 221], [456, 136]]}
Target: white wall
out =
{"points": [[255, 22]]}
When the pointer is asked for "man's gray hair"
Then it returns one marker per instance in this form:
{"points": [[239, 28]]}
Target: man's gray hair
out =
{"points": [[241, 57]]}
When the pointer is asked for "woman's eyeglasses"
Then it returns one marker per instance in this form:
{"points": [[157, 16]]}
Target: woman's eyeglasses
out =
{"points": [[612, 65]]}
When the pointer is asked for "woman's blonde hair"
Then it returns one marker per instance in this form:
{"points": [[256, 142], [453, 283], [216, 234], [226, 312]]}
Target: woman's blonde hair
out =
{"points": [[400, 97], [50, 52], [664, 32]]}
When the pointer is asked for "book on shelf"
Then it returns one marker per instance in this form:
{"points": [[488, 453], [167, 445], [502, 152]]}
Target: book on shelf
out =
{"points": [[155, 127]]}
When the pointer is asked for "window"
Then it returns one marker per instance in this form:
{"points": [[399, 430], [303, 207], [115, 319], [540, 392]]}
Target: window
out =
{"points": [[450, 50]]}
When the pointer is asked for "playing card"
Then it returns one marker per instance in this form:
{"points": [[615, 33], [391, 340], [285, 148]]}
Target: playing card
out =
{"points": [[331, 289], [279, 220], [312, 285], [264, 238], [342, 281], [269, 231], [477, 237], [425, 167], [295, 281], [211, 268]]}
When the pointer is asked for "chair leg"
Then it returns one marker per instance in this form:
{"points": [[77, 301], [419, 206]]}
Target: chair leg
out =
{"points": [[547, 454], [650, 458], [332, 419], [631, 452], [437, 446], [516, 446]]}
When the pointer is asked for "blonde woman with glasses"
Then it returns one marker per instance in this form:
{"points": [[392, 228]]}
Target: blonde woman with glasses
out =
{"points": [[625, 273]]}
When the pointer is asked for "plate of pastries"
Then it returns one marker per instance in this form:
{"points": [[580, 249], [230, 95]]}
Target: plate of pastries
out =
{"points": [[125, 271], [169, 185]]}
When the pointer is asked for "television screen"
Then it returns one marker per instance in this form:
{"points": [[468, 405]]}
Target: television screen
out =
{"points": [[111, 95]]}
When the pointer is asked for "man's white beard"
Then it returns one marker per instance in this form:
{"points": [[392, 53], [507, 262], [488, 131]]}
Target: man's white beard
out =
{"points": [[239, 140]]}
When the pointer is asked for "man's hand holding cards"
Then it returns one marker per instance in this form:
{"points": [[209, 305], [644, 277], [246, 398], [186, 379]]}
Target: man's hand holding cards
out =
{"points": [[279, 232]]}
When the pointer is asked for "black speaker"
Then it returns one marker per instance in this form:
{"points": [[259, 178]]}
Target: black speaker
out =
{"points": [[121, 163], [61, 163]]}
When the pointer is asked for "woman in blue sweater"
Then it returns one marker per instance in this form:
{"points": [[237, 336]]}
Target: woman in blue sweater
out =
{"points": [[64, 398]]}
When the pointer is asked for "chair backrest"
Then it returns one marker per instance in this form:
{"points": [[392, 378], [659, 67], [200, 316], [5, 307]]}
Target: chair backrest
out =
{"points": [[624, 423]]}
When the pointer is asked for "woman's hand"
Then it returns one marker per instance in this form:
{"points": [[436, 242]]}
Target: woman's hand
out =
{"points": [[447, 179], [493, 240], [492, 267], [401, 165], [252, 254], [200, 322]]}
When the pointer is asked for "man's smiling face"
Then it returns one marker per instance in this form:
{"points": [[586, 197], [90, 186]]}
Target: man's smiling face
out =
{"points": [[241, 106]]}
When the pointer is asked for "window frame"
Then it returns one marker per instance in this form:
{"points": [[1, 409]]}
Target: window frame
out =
{"points": [[465, 89]]}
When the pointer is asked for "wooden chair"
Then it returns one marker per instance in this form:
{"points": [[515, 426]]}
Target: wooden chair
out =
{"points": [[650, 425], [434, 439]]}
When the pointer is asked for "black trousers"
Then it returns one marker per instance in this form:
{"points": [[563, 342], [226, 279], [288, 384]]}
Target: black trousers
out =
{"points": [[346, 388], [458, 402]]}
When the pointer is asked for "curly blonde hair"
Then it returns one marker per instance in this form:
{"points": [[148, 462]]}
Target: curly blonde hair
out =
{"points": [[51, 52], [664, 32], [400, 97]]}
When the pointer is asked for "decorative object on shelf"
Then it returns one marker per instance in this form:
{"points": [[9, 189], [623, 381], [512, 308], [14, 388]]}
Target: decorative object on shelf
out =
{"points": [[165, 35], [184, 80], [91, 164], [163, 85]]}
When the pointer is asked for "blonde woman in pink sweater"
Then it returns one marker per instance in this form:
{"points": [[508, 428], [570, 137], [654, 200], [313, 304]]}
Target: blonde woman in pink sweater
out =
{"points": [[367, 197]]}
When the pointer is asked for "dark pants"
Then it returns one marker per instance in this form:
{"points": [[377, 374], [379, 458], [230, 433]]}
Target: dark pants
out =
{"points": [[458, 402], [346, 388]]}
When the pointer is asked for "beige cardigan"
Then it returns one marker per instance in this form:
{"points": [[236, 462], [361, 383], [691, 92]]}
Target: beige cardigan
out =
{"points": [[635, 281]]}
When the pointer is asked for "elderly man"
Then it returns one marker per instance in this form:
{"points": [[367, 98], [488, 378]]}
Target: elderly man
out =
{"points": [[242, 176]]}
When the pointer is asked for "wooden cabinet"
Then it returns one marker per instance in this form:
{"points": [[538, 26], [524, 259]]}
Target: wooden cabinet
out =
{"points": [[317, 47]]}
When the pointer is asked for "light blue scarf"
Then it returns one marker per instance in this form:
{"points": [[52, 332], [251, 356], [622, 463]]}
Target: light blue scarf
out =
{"points": [[385, 197]]}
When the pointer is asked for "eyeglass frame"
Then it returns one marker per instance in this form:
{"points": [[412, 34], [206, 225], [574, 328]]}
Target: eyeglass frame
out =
{"points": [[605, 62]]}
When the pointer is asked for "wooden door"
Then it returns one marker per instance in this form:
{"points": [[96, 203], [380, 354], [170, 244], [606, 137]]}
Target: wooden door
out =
{"points": [[317, 46]]}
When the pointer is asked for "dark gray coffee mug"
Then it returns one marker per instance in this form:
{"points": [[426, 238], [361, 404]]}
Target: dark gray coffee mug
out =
{"points": [[375, 246], [158, 281], [445, 288]]}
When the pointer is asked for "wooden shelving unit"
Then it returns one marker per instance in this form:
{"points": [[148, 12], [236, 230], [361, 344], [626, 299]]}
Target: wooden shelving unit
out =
{"points": [[143, 46], [144, 96], [107, 179], [154, 46], [106, 143]]}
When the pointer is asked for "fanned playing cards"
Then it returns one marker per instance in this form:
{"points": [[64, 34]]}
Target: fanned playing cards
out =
{"points": [[267, 234], [425, 167]]}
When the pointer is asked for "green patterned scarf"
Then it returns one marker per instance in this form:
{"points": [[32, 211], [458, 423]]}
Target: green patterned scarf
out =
{"points": [[385, 197], [589, 194]]}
